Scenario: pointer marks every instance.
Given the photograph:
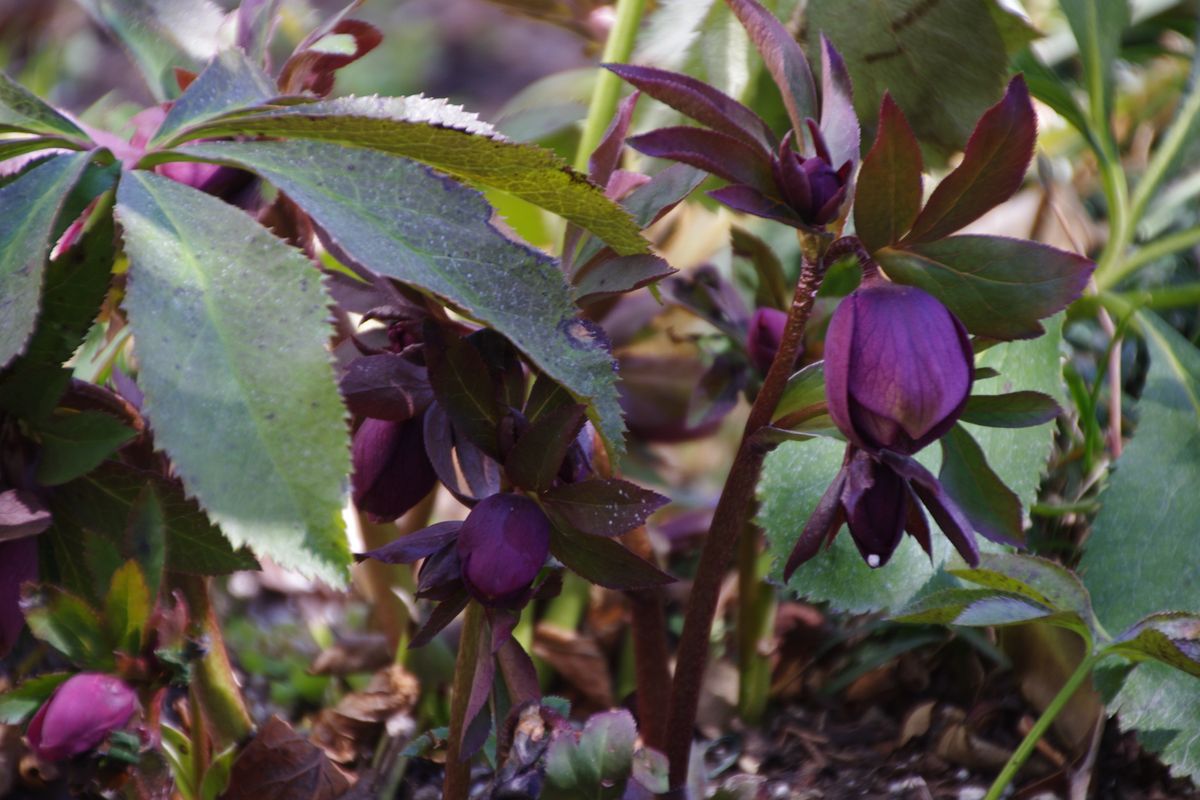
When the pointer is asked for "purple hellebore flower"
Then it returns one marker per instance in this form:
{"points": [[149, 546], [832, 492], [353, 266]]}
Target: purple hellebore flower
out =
{"points": [[898, 372], [80, 715], [392, 472], [763, 335], [812, 187], [502, 545]]}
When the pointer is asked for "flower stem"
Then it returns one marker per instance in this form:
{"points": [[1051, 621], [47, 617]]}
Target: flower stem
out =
{"points": [[733, 511], [756, 616], [457, 785], [1025, 749], [617, 49]]}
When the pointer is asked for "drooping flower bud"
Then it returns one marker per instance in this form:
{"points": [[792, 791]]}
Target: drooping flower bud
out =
{"points": [[898, 367], [80, 715], [392, 472], [763, 335], [812, 187], [502, 545]]}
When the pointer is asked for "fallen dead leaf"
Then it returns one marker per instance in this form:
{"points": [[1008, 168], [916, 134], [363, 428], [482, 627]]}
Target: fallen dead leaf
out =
{"points": [[280, 764]]}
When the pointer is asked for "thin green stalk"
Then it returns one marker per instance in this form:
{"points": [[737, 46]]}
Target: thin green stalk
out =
{"points": [[457, 785], [1025, 749], [1159, 248], [1120, 223], [607, 91], [1166, 153], [1185, 294], [756, 617]]}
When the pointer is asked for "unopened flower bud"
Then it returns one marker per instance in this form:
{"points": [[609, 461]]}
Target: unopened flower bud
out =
{"points": [[502, 545], [763, 336], [898, 367], [80, 715], [392, 472]]}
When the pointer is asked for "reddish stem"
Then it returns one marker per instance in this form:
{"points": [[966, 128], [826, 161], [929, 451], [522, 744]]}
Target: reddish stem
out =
{"points": [[733, 510]]}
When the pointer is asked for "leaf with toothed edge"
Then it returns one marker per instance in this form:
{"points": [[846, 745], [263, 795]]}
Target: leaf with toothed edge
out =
{"points": [[446, 137], [783, 58], [839, 122], [401, 220], [888, 193], [23, 111], [230, 328]]}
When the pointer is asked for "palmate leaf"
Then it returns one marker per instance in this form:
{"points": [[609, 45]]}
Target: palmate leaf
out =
{"points": [[29, 208], [443, 136], [230, 332], [399, 219], [1143, 554]]}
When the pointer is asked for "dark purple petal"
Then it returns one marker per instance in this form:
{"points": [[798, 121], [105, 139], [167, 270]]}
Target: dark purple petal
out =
{"points": [[386, 386], [718, 153], [391, 471], [441, 574], [701, 102], [414, 546], [18, 565], [839, 347], [764, 335], [751, 201], [822, 526], [876, 502], [80, 715], [440, 617], [22, 514], [944, 510], [607, 155], [917, 526], [502, 545]]}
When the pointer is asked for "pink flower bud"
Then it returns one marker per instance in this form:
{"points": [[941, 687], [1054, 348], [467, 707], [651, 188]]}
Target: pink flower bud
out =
{"points": [[80, 715]]}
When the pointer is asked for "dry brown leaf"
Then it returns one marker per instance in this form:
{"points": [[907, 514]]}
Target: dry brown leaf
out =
{"points": [[280, 764], [578, 659]]}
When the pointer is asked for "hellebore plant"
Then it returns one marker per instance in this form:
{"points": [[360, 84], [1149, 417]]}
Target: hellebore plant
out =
{"points": [[80, 715]]}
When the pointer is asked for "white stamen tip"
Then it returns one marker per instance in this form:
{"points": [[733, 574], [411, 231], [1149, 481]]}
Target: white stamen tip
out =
{"points": [[872, 560]]}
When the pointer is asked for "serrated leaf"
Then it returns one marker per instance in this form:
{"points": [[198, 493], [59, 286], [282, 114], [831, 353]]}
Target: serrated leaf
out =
{"points": [[1140, 558], [19, 703], [68, 624], [229, 82], [398, 219], [616, 276], [998, 287], [973, 607], [597, 765], [75, 444], [603, 507], [783, 58], [910, 47], [127, 607], [993, 166], [992, 508], [1169, 637], [23, 111], [110, 501], [161, 34], [605, 561], [218, 303], [888, 194], [29, 208], [1039, 580], [444, 136]]}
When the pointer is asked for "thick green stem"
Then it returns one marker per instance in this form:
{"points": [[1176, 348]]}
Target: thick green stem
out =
{"points": [[731, 515], [1025, 749], [756, 617], [617, 49], [457, 785], [1159, 248]]}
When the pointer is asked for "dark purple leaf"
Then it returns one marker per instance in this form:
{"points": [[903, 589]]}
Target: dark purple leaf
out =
{"points": [[821, 527], [21, 514], [753, 202], [312, 70], [605, 279], [717, 392], [1012, 410], [386, 386], [504, 364], [519, 673], [701, 102], [416, 545], [649, 202], [710, 296], [280, 764], [605, 562], [783, 58], [603, 507], [718, 153], [481, 689], [839, 123], [992, 508], [463, 385], [546, 395], [607, 155], [535, 460], [888, 194], [18, 565], [997, 287], [993, 167], [440, 617], [441, 574], [464, 469]]}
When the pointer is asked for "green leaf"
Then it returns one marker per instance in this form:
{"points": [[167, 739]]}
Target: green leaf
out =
{"points": [[228, 83], [147, 539], [603, 507], [216, 777], [398, 219], [456, 142], [68, 558], [597, 765], [535, 459], [230, 330], [1097, 27], [1036, 579], [75, 444], [804, 395], [1011, 410], [463, 385], [1142, 554], [605, 561], [161, 34], [127, 607], [998, 287], [973, 607], [888, 194], [1169, 637], [29, 208], [992, 507], [21, 110], [911, 48], [114, 499], [19, 703], [68, 624]]}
